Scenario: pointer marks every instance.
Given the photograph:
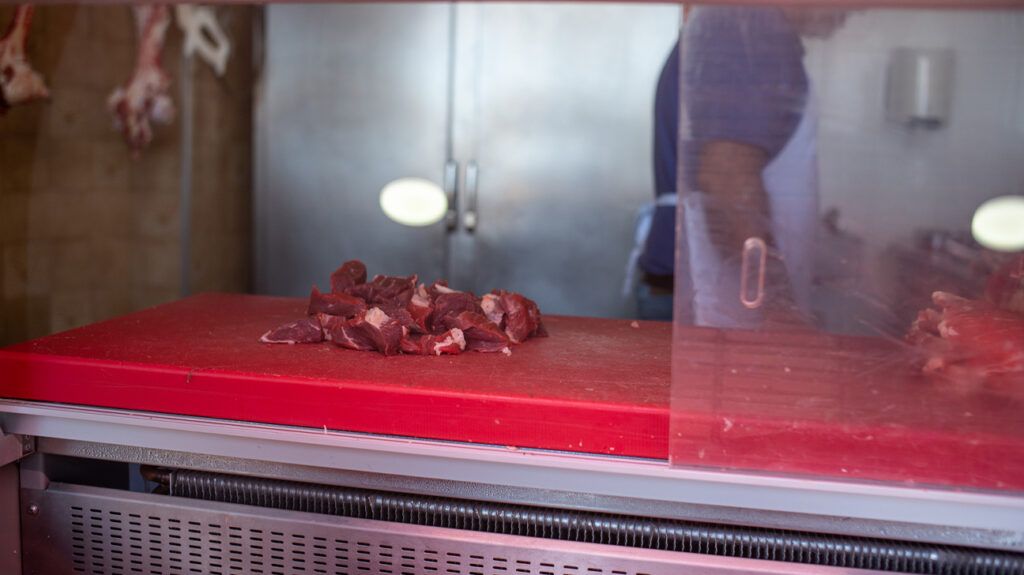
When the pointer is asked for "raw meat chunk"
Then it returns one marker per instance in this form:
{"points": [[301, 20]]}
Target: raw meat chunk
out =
{"points": [[392, 314], [450, 342], [351, 273], [495, 312], [370, 330], [385, 289], [402, 315], [480, 333], [1005, 288], [449, 305], [439, 287], [334, 304], [969, 340], [420, 308], [329, 323], [522, 316], [306, 330]]}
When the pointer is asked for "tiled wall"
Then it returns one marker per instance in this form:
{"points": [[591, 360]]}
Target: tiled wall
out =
{"points": [[87, 231], [889, 181]]}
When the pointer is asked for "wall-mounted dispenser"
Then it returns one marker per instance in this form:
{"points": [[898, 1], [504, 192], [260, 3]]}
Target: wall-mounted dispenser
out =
{"points": [[920, 87]]}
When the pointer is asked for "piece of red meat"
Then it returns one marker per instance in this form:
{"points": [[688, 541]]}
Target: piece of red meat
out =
{"points": [[521, 317], [351, 273], [439, 287], [372, 329], [493, 310], [329, 323], [448, 305], [306, 330], [480, 333], [450, 342], [402, 315], [1005, 287], [339, 304], [969, 340], [385, 289], [420, 308]]}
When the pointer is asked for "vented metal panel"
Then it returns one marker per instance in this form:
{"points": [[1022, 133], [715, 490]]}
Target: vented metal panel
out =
{"points": [[588, 527], [75, 529]]}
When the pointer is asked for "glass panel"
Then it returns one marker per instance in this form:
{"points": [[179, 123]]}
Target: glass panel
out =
{"points": [[846, 307]]}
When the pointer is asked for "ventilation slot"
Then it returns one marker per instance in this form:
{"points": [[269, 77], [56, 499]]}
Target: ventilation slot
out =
{"points": [[728, 541]]}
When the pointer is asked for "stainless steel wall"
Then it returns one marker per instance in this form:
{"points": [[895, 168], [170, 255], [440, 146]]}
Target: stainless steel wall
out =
{"points": [[552, 104]]}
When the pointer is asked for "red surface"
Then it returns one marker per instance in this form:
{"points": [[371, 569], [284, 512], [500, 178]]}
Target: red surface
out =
{"points": [[785, 403], [856, 408], [594, 385]]}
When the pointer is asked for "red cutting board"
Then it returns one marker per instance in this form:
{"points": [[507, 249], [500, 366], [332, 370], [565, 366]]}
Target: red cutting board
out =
{"points": [[781, 403], [595, 385]]}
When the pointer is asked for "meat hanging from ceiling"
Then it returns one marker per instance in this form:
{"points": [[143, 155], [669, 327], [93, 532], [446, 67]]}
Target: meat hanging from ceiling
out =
{"points": [[144, 99], [19, 83], [394, 315]]}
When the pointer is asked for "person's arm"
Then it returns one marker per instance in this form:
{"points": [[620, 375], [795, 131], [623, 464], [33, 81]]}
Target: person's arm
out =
{"points": [[730, 174], [738, 209]]}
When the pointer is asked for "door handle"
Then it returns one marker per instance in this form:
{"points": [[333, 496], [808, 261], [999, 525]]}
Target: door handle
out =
{"points": [[753, 249], [469, 219], [451, 191]]}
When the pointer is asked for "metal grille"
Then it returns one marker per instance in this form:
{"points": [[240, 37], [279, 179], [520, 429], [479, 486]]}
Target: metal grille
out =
{"points": [[105, 541], [589, 527], [77, 529]]}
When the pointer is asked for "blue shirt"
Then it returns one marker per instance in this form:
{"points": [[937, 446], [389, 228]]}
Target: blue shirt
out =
{"points": [[743, 81]]}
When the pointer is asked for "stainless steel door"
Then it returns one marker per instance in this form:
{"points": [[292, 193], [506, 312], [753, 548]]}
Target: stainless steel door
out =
{"points": [[554, 104], [351, 97]]}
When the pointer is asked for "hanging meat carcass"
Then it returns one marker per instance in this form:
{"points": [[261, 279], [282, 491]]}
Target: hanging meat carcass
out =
{"points": [[19, 83], [145, 98]]}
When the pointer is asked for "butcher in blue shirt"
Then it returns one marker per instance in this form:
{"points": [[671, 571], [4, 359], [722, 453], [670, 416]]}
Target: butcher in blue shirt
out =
{"points": [[749, 177]]}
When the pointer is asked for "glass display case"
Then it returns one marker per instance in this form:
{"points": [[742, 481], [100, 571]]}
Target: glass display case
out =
{"points": [[851, 244]]}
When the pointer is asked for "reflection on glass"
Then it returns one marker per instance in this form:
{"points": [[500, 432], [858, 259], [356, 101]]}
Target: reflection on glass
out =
{"points": [[857, 148]]}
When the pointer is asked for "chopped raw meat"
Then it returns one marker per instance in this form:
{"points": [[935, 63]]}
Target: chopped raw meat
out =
{"points": [[385, 289], [401, 314], [351, 335], [1005, 288], [393, 315], [450, 342], [480, 333], [439, 287], [351, 273], [491, 304], [334, 304], [522, 316], [969, 340], [448, 305], [329, 323], [420, 308], [372, 329], [305, 330]]}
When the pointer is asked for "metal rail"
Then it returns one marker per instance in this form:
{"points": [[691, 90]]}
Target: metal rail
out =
{"points": [[485, 473]]}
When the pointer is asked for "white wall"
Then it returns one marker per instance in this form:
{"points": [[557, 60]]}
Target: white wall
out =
{"points": [[888, 180]]}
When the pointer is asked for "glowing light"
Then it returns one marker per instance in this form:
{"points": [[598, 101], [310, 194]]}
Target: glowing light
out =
{"points": [[998, 224], [413, 202]]}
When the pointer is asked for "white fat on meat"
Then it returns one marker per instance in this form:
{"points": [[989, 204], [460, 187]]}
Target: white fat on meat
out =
{"points": [[491, 305], [455, 336], [420, 297], [444, 289], [376, 317]]}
